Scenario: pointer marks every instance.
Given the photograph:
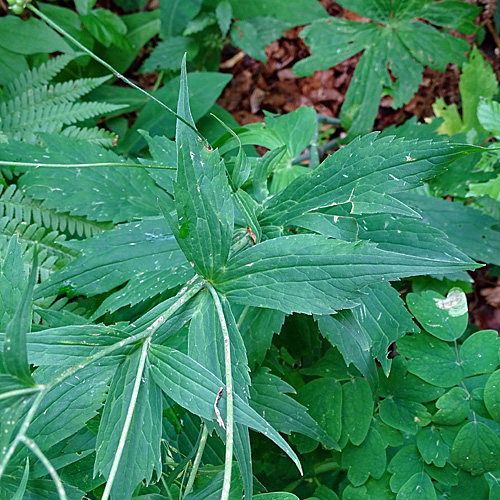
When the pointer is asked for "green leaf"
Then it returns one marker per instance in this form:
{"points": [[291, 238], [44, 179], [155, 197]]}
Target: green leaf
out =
{"points": [[492, 395], [202, 197], [369, 328], [365, 460], [136, 251], [453, 407], [363, 176], [99, 193], [446, 319], [469, 487], [477, 81], [195, 388], [373, 488], [106, 27], [168, 54], [480, 353], [404, 465], [322, 275], [268, 397], [395, 43], [467, 228], [33, 37], [12, 281], [254, 34], [406, 416], [141, 454], [68, 407], [431, 359], [419, 486], [323, 400], [175, 15], [488, 114], [14, 349], [432, 447], [476, 449], [224, 13], [406, 386], [19, 494], [357, 415], [257, 326]]}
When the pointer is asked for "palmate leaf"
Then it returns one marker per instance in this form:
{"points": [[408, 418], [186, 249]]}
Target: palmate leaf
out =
{"points": [[202, 196], [316, 275], [364, 176], [141, 454], [395, 42]]}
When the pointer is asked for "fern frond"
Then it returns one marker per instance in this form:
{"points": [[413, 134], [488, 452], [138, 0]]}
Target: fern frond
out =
{"points": [[51, 118], [54, 94], [95, 135], [37, 76], [52, 254], [15, 205]]}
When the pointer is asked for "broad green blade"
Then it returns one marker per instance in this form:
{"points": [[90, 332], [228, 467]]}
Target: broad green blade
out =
{"points": [[371, 327], [111, 193], [471, 231], [202, 196], [476, 449], [363, 176], [130, 253], [316, 275]]}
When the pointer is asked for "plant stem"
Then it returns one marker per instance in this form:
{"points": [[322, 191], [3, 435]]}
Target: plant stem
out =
{"points": [[226, 485], [128, 420], [20, 392], [197, 460], [50, 468], [22, 431], [313, 146], [70, 165], [184, 295], [321, 150], [108, 66]]}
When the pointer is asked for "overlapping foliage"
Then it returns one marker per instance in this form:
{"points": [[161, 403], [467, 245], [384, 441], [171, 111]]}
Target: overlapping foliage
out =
{"points": [[167, 273]]}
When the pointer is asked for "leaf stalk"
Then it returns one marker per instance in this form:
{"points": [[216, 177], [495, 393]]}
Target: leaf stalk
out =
{"points": [[226, 485]]}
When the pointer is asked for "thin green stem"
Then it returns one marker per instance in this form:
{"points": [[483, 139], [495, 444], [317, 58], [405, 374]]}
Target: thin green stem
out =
{"points": [[21, 392], [197, 461], [184, 295], [71, 165], [128, 420], [58, 28], [50, 468], [22, 431], [228, 464]]}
